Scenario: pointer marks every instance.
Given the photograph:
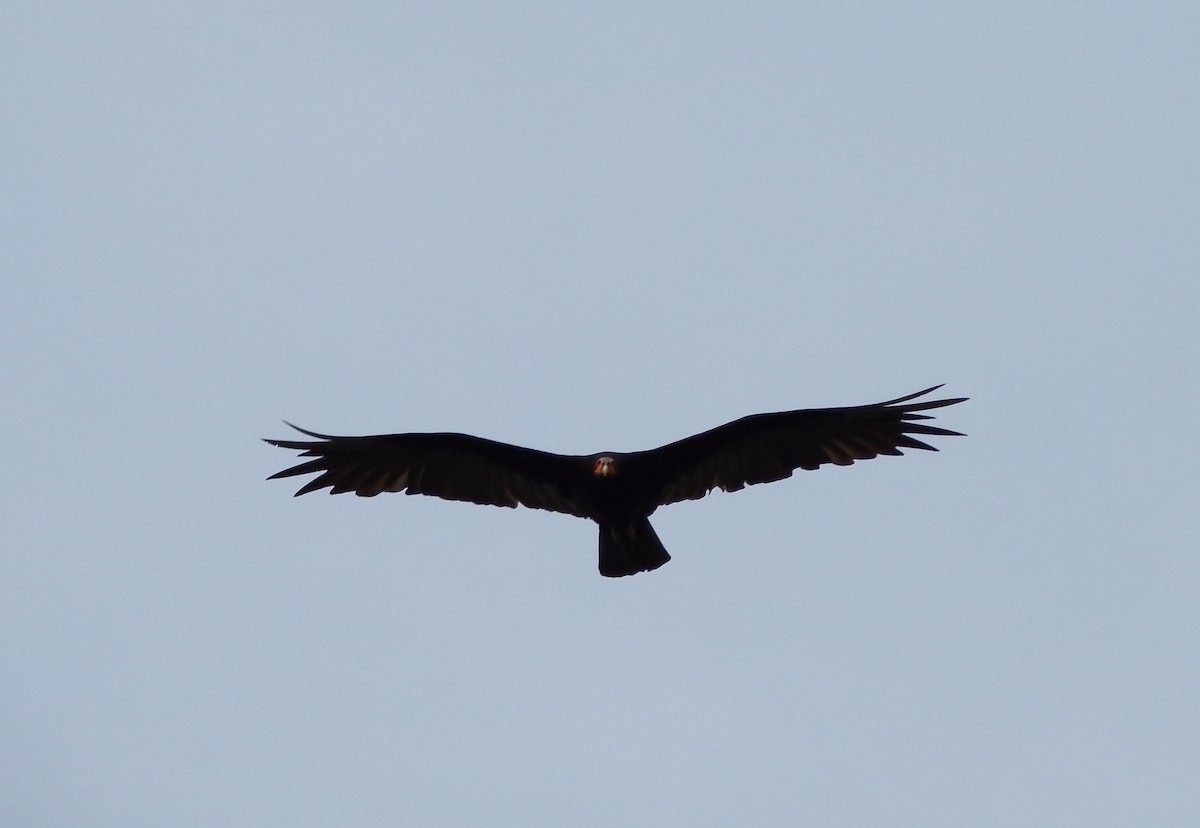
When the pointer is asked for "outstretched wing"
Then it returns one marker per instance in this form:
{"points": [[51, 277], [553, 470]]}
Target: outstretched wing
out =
{"points": [[766, 447], [450, 466]]}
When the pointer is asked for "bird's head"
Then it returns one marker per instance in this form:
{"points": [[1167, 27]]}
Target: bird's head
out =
{"points": [[605, 467]]}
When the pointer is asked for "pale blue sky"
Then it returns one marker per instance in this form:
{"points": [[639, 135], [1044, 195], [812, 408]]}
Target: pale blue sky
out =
{"points": [[582, 227]]}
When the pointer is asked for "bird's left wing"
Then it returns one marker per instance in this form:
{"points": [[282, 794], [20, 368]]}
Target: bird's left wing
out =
{"points": [[450, 466], [766, 447]]}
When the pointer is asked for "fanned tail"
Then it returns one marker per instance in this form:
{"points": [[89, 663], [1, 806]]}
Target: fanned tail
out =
{"points": [[628, 550]]}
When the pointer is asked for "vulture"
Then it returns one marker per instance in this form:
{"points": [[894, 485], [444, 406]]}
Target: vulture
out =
{"points": [[619, 491]]}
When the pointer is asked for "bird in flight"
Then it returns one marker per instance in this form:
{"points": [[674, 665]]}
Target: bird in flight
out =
{"points": [[619, 491]]}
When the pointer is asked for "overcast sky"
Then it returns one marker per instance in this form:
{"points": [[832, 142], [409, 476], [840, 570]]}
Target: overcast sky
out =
{"points": [[586, 227]]}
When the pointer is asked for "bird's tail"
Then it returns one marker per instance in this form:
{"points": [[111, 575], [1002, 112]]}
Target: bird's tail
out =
{"points": [[628, 550]]}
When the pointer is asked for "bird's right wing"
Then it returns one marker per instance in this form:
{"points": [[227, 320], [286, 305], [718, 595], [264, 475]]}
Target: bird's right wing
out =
{"points": [[766, 447], [450, 466]]}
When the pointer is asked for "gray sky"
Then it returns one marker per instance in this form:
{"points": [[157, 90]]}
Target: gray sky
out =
{"points": [[583, 227]]}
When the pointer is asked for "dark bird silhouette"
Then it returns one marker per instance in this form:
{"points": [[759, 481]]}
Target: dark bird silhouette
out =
{"points": [[617, 490]]}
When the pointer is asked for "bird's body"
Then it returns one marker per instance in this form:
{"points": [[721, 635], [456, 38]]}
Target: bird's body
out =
{"points": [[619, 491]]}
